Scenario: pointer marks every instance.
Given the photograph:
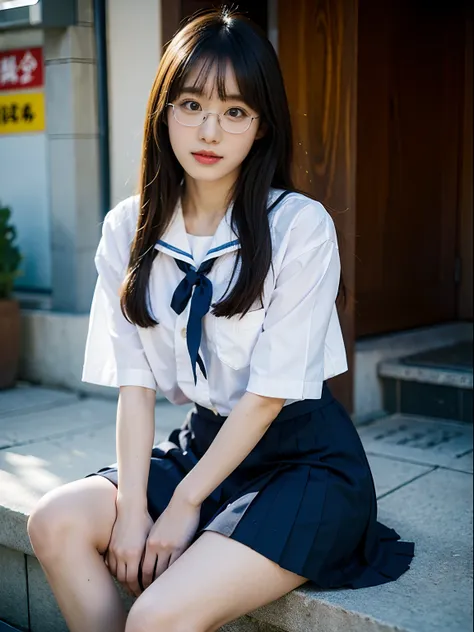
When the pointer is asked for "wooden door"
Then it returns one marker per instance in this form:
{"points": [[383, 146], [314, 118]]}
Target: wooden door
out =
{"points": [[465, 224], [317, 48], [410, 77]]}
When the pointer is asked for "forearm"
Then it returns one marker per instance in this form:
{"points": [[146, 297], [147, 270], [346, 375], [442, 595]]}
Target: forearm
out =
{"points": [[135, 434], [242, 430]]}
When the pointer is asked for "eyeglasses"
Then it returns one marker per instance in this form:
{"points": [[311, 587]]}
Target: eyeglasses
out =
{"points": [[195, 118]]}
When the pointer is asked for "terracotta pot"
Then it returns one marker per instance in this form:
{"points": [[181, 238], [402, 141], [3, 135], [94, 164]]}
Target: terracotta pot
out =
{"points": [[9, 342]]}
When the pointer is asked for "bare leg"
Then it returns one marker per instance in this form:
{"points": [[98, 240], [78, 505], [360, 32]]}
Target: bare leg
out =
{"points": [[214, 582], [69, 529]]}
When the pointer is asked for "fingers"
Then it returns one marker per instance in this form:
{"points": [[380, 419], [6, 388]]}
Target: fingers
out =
{"points": [[138, 575], [148, 567], [156, 559], [132, 580], [174, 556], [163, 562], [111, 562], [127, 574], [121, 572]]}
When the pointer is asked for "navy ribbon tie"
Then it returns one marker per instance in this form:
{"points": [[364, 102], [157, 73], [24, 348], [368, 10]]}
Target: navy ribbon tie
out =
{"points": [[200, 304]]}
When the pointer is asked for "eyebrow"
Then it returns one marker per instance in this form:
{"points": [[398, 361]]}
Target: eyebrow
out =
{"points": [[195, 90]]}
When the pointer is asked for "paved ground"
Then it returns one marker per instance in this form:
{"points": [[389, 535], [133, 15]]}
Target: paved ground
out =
{"points": [[422, 469]]}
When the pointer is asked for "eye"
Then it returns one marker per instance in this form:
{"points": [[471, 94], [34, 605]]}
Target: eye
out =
{"points": [[193, 105], [236, 113]]}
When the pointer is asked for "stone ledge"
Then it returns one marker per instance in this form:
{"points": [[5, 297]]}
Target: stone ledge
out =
{"points": [[303, 610], [442, 377]]}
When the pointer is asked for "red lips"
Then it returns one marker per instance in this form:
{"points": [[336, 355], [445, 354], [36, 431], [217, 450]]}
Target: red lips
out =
{"points": [[206, 157], [206, 153]]}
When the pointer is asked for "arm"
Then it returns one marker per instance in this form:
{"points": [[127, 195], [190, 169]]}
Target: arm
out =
{"points": [[135, 434], [242, 430]]}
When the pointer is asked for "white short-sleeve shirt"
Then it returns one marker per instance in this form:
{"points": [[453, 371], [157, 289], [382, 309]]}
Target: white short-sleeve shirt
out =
{"points": [[285, 349]]}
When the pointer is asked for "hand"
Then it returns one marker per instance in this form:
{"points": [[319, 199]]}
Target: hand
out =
{"points": [[126, 546], [169, 537]]}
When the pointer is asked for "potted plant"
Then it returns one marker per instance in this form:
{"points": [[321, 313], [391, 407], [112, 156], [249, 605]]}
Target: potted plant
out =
{"points": [[10, 259]]}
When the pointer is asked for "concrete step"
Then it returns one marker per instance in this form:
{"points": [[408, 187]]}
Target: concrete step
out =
{"points": [[423, 475], [437, 383]]}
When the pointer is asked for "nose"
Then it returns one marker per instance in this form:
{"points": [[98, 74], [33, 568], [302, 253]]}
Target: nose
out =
{"points": [[210, 129]]}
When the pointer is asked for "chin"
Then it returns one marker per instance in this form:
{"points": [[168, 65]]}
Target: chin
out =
{"points": [[206, 173]]}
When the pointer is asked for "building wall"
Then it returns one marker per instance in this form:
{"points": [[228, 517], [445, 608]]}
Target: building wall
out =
{"points": [[24, 184], [134, 45], [73, 147]]}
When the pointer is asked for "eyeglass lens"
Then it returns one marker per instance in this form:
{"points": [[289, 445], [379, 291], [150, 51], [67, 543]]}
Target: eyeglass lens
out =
{"points": [[233, 120]]}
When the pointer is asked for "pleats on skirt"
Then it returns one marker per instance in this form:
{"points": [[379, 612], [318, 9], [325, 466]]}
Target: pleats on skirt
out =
{"points": [[304, 497]]}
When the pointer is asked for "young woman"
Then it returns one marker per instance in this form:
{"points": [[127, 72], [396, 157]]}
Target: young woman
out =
{"points": [[217, 285]]}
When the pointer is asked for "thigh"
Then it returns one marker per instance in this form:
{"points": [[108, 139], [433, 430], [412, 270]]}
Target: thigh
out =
{"points": [[218, 580], [85, 506]]}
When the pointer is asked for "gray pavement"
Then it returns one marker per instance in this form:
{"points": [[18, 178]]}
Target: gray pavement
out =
{"points": [[422, 470], [50, 437]]}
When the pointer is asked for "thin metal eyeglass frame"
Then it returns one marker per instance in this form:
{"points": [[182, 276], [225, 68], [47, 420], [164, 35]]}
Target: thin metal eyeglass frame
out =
{"points": [[205, 116]]}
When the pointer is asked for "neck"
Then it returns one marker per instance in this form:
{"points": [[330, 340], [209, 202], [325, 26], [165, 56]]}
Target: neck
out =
{"points": [[206, 202]]}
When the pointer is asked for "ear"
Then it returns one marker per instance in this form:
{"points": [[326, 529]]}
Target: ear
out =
{"points": [[262, 130]]}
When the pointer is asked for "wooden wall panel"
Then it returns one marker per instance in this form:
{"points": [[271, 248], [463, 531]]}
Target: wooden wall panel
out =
{"points": [[318, 54], [465, 301], [408, 163]]}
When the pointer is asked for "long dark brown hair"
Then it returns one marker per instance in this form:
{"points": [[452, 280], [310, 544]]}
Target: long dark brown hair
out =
{"points": [[213, 39]]}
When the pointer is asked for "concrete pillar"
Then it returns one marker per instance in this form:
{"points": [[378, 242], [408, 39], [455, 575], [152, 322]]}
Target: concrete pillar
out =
{"points": [[72, 129]]}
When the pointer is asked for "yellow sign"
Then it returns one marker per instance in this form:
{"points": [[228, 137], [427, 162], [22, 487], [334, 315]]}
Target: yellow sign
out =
{"points": [[22, 112]]}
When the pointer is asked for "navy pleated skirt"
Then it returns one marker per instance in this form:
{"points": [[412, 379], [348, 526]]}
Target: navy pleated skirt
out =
{"points": [[304, 497]]}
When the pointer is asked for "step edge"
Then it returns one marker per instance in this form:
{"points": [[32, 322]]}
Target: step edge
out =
{"points": [[307, 603], [305, 598], [425, 375], [13, 530]]}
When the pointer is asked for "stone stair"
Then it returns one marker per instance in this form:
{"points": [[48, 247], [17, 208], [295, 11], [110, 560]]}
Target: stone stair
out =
{"points": [[436, 383], [422, 468]]}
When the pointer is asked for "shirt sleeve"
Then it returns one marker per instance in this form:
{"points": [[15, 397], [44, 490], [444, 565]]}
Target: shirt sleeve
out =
{"points": [[288, 360], [114, 354]]}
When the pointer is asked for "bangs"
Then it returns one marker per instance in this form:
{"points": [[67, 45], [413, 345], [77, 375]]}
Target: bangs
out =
{"points": [[216, 54]]}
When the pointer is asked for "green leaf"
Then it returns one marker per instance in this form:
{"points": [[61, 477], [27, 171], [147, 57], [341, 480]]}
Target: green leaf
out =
{"points": [[10, 256]]}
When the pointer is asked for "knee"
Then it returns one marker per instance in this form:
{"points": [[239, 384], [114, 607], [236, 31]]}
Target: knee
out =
{"points": [[48, 525], [150, 614]]}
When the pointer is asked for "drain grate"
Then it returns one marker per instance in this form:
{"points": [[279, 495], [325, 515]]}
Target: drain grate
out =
{"points": [[424, 438]]}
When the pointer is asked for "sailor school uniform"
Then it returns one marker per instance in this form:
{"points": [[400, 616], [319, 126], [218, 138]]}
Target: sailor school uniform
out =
{"points": [[304, 497]]}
